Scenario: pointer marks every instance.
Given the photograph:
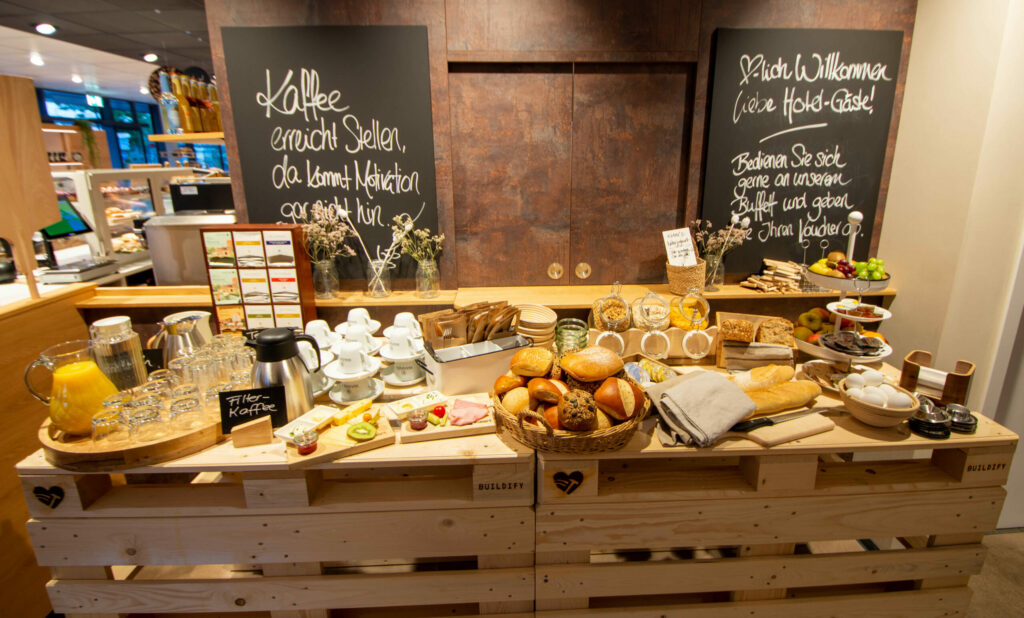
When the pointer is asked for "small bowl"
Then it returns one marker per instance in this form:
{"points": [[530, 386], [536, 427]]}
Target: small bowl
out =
{"points": [[877, 416]]}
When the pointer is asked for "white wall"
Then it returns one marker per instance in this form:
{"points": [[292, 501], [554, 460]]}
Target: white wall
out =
{"points": [[952, 224]]}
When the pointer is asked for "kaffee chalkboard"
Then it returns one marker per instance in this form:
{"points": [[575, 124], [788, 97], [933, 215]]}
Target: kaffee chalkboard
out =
{"points": [[336, 115], [797, 136]]}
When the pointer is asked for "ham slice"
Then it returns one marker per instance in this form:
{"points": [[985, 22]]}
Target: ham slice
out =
{"points": [[466, 412]]}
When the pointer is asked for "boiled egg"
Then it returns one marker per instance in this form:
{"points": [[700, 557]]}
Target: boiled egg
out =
{"points": [[900, 400], [854, 380], [873, 378], [888, 390], [875, 398], [855, 392]]}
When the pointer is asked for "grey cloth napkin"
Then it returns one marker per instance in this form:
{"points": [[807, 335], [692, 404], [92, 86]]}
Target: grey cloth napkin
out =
{"points": [[697, 408], [758, 351]]}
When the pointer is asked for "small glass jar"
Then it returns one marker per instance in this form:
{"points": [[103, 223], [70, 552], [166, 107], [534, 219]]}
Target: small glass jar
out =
{"points": [[185, 413], [305, 441], [108, 429], [418, 419], [571, 334]]}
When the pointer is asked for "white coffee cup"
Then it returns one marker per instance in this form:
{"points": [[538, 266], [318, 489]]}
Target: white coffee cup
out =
{"points": [[359, 334], [406, 371], [351, 358], [359, 316], [308, 356], [400, 344], [319, 330], [409, 321]]}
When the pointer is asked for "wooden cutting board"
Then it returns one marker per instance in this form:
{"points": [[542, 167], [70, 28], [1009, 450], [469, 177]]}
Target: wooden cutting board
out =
{"points": [[334, 443], [407, 435], [30, 201]]}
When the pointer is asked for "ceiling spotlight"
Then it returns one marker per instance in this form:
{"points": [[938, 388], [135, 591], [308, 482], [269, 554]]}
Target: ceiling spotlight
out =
{"points": [[36, 59], [75, 77], [143, 90], [151, 57], [47, 29]]}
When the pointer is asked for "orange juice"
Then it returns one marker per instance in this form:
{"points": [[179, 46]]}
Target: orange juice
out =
{"points": [[79, 389]]}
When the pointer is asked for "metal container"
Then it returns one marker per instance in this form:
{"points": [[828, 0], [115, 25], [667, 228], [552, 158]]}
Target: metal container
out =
{"points": [[278, 364], [118, 351], [176, 247]]}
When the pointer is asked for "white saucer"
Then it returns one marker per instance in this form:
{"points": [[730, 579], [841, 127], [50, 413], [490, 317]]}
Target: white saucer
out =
{"points": [[388, 375], [378, 343], [330, 385], [385, 353], [371, 328], [332, 339], [337, 395], [418, 335], [333, 371]]}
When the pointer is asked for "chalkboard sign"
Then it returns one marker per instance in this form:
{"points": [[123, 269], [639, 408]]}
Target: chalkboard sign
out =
{"points": [[797, 137], [336, 115], [237, 407]]}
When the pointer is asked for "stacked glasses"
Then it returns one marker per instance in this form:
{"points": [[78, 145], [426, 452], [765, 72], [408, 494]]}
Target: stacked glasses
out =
{"points": [[183, 397]]}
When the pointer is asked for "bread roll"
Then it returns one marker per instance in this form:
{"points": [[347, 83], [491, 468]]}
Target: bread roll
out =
{"points": [[577, 411], [516, 400], [775, 330], [619, 398], [761, 377], [506, 383], [592, 364], [532, 362], [548, 391], [551, 416], [603, 420], [784, 396]]}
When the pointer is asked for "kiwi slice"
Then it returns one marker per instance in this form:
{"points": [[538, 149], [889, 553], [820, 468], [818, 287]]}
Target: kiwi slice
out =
{"points": [[361, 432]]}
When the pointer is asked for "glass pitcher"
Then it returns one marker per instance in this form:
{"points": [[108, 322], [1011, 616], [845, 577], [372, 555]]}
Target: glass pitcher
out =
{"points": [[79, 387]]}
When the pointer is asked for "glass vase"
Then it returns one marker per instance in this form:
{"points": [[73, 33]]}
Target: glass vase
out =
{"points": [[378, 284], [325, 279], [714, 277], [428, 279]]}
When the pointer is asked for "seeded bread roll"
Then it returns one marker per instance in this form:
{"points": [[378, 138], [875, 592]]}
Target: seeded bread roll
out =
{"points": [[737, 330], [577, 411], [777, 331]]}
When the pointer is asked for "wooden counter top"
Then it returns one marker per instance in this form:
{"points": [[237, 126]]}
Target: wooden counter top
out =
{"points": [[554, 296]]}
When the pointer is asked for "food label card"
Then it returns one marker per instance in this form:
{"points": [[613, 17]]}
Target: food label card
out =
{"points": [[288, 316], [284, 285], [259, 316], [255, 285], [679, 247], [279, 249], [249, 249]]}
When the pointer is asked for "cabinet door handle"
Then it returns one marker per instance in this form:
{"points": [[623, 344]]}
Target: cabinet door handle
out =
{"points": [[583, 270], [555, 270]]}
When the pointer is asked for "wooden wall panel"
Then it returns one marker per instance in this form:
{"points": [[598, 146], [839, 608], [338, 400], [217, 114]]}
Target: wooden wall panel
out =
{"points": [[431, 13], [839, 14], [629, 133], [573, 26], [511, 136]]}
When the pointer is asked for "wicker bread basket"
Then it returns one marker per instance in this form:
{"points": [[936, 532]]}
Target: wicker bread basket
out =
{"points": [[544, 438], [682, 278]]}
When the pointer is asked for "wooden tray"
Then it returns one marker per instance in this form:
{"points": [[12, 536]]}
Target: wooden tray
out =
{"points": [[432, 432], [79, 453], [721, 316], [334, 443]]}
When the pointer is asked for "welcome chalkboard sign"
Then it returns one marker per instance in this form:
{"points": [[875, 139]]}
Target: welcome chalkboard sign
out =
{"points": [[335, 115], [797, 136]]}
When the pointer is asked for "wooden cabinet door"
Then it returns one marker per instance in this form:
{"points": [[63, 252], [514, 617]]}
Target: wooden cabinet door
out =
{"points": [[630, 127], [511, 140]]}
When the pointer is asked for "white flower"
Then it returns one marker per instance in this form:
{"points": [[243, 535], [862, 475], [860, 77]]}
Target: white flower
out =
{"points": [[746, 222]]}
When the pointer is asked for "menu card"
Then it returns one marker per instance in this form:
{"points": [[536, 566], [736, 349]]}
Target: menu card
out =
{"points": [[257, 277]]}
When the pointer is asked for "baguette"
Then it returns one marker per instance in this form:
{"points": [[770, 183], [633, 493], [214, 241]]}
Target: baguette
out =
{"points": [[783, 396], [762, 377]]}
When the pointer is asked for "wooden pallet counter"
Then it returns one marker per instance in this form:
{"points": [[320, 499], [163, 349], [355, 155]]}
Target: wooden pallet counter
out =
{"points": [[743, 530], [443, 526]]}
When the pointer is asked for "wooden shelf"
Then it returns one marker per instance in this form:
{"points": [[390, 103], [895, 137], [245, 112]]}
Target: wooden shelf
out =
{"points": [[216, 137]]}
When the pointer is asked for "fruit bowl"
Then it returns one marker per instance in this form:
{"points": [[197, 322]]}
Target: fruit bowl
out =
{"points": [[863, 286], [877, 416]]}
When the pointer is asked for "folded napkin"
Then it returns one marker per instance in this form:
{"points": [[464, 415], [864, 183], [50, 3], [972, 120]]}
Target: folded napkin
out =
{"points": [[697, 408], [769, 351]]}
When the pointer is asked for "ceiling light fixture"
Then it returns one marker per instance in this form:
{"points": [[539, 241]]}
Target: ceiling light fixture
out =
{"points": [[75, 77], [143, 90], [151, 57], [36, 59], [47, 29]]}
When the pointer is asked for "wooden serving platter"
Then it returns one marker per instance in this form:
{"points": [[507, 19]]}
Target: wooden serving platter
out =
{"points": [[334, 443], [81, 454], [434, 432]]}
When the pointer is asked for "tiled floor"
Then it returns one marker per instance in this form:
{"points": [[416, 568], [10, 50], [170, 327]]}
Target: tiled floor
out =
{"points": [[999, 589]]}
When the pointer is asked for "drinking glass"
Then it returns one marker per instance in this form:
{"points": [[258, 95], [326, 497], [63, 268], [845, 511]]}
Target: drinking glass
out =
{"points": [[211, 400], [163, 374], [145, 424], [185, 413], [570, 335], [185, 390], [108, 428], [157, 388]]}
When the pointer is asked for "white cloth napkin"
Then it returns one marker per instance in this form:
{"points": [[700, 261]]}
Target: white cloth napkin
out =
{"points": [[697, 408]]}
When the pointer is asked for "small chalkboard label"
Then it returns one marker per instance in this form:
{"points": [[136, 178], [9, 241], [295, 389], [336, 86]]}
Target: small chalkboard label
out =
{"points": [[237, 407], [154, 359]]}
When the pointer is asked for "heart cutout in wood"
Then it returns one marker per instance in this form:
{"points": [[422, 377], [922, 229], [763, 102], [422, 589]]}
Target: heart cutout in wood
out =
{"points": [[51, 497], [568, 482]]}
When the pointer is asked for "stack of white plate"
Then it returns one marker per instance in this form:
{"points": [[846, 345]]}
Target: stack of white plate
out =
{"points": [[538, 323]]}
